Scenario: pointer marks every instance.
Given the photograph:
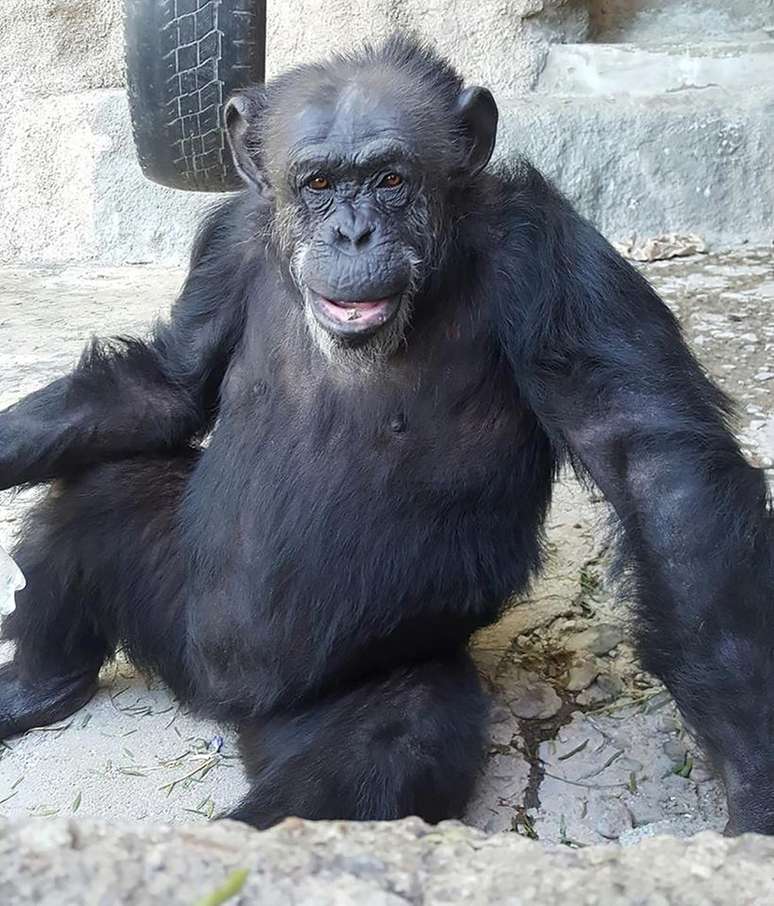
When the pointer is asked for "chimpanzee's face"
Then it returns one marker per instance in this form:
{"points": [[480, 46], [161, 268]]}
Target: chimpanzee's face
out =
{"points": [[359, 164], [362, 222]]}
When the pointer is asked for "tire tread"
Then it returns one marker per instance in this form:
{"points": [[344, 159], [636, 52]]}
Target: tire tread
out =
{"points": [[204, 50]]}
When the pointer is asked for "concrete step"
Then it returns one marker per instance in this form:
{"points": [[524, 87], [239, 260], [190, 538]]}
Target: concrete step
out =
{"points": [[689, 161], [679, 20], [656, 68]]}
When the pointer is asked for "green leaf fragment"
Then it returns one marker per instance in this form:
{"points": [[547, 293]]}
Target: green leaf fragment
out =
{"points": [[230, 888]]}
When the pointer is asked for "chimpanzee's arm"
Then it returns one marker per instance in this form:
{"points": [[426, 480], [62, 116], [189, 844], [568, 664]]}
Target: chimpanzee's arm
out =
{"points": [[603, 364], [129, 396]]}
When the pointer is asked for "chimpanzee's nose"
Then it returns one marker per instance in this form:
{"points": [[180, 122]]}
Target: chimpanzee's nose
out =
{"points": [[355, 230]]}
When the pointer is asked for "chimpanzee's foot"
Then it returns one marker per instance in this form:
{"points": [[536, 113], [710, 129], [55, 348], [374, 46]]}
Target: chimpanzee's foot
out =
{"points": [[25, 704], [750, 793], [408, 742]]}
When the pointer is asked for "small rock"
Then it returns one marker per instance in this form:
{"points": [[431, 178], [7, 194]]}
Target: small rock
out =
{"points": [[503, 726], [598, 639], [499, 822], [610, 683], [669, 724], [607, 688], [614, 819], [644, 812], [535, 700], [650, 829], [679, 826], [657, 702], [581, 675], [498, 713], [702, 771], [660, 248], [506, 775], [500, 790], [591, 696], [675, 750]]}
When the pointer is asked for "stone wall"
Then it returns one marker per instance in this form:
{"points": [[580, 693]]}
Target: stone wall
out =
{"points": [[501, 43], [70, 187], [686, 157], [60, 46]]}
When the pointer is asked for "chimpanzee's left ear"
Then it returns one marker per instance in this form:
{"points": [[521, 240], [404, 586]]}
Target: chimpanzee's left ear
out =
{"points": [[478, 111], [242, 114]]}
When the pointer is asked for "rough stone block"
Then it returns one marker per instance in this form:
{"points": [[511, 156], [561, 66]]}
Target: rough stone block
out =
{"points": [[56, 46], [72, 189], [497, 42], [634, 70], [685, 162], [67, 863]]}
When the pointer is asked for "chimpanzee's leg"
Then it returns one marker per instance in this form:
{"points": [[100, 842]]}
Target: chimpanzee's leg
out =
{"points": [[103, 566], [407, 743]]}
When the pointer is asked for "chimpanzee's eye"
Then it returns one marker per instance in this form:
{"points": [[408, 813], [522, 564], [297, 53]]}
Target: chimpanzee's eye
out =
{"points": [[391, 181], [319, 183]]}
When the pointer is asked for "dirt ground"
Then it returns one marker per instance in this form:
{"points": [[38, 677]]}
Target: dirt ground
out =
{"points": [[585, 748]]}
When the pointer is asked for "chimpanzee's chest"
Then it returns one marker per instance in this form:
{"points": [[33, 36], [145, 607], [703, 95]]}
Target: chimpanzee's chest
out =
{"points": [[448, 423], [435, 444], [377, 515]]}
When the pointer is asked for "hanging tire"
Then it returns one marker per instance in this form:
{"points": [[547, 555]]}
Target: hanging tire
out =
{"points": [[184, 59]]}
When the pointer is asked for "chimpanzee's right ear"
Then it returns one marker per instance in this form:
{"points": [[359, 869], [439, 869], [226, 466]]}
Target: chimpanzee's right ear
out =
{"points": [[241, 115], [478, 116]]}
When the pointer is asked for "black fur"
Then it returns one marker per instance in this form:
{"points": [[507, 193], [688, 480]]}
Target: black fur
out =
{"points": [[314, 573]]}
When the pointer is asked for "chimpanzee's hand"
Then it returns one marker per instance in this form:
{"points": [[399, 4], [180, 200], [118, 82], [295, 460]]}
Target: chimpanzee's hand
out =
{"points": [[21, 442]]}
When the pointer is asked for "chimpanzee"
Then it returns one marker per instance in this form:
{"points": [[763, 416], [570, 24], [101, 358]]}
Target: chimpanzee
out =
{"points": [[393, 348]]}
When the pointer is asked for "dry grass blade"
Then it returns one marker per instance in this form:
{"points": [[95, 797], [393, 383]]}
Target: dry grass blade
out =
{"points": [[44, 811], [202, 770]]}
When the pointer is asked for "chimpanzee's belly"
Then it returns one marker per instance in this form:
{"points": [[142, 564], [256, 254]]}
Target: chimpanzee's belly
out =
{"points": [[341, 535]]}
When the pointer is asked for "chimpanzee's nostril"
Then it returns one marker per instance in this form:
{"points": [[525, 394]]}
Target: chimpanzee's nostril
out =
{"points": [[357, 234]]}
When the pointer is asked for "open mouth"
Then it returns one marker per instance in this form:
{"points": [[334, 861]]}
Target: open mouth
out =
{"points": [[353, 317]]}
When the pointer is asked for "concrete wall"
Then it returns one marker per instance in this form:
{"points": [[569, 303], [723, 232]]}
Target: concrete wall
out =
{"points": [[496, 42], [60, 46], [70, 188]]}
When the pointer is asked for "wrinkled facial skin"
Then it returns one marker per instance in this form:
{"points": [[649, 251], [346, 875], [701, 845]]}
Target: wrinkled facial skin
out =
{"points": [[357, 222]]}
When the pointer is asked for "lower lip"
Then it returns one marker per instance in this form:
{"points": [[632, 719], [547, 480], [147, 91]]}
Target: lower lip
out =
{"points": [[357, 313]]}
